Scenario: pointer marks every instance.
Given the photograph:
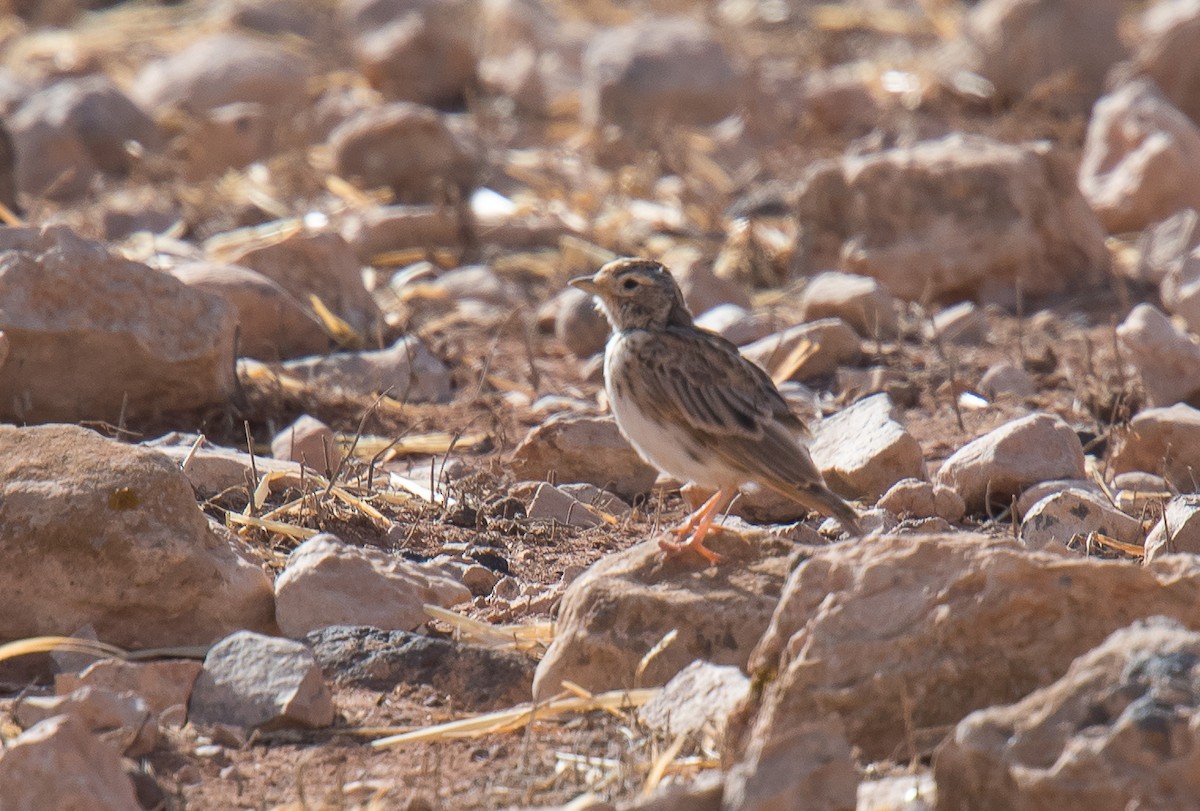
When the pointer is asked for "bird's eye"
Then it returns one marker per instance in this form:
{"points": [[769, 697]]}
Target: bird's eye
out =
{"points": [[629, 284]]}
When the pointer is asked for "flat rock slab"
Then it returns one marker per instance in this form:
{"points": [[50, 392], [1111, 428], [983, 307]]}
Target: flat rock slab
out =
{"points": [[620, 608], [571, 449], [477, 677], [864, 449], [1164, 441]]}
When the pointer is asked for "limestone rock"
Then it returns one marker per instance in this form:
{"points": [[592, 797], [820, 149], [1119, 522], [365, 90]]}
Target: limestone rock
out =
{"points": [[696, 700], [581, 327], [861, 302], [1164, 441], [922, 499], [1003, 462], [1177, 531], [810, 759], [938, 624], [396, 57], [123, 720], [107, 536], [583, 449], [1055, 520], [735, 323], [833, 342], [162, 684], [621, 607], [59, 764], [1035, 493], [1006, 380], [1166, 359], [1118, 730], [961, 217], [863, 449], [327, 582], [552, 504], [963, 324], [260, 682], [96, 337], [1164, 52], [1140, 159], [405, 371], [310, 441], [212, 470]]}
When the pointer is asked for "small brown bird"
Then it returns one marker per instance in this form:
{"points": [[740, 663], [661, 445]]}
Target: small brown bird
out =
{"points": [[693, 407]]}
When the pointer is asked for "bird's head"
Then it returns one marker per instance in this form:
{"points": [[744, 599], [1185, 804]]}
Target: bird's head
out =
{"points": [[636, 294]]}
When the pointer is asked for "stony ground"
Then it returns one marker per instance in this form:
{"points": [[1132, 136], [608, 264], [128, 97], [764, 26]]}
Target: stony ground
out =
{"points": [[337, 235]]}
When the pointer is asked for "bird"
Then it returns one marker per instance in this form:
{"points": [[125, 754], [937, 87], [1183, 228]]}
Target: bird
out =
{"points": [[692, 406]]}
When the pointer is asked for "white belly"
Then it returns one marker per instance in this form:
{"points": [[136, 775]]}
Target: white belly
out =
{"points": [[664, 446]]}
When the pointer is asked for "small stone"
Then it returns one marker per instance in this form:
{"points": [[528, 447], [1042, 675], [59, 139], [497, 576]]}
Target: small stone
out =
{"points": [[309, 441], [1006, 380], [260, 682], [1071, 515], [1166, 359], [863, 449], [697, 699], [1165, 53], [1035, 493], [162, 684], [551, 504], [124, 720], [1166, 245], [480, 580], [406, 371], [1003, 462], [581, 327], [834, 344], [572, 448], [1177, 531], [735, 324], [964, 323], [212, 470], [1165, 441], [860, 301], [395, 57], [327, 582], [804, 756], [59, 764], [231, 136], [922, 499], [594, 497], [702, 288], [1139, 481]]}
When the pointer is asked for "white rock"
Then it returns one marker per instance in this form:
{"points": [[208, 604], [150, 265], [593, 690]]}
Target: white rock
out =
{"points": [[1056, 519], [1178, 530], [860, 301], [1165, 441], [123, 720], [1006, 380], [310, 441], [1166, 359], [833, 342], [260, 682], [1005, 461], [569, 449], [735, 323], [1166, 51], [163, 684], [59, 764], [213, 470], [328, 582], [697, 699], [863, 450], [1035, 493], [406, 371], [552, 504], [1141, 158], [922, 499], [963, 323], [1180, 289], [810, 759]]}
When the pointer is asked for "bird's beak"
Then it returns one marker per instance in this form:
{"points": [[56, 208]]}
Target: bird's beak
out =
{"points": [[585, 283]]}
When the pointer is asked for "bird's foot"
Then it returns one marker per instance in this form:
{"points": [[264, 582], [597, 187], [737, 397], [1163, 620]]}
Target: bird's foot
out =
{"points": [[693, 544]]}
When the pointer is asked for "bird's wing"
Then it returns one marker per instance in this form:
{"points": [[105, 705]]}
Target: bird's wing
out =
{"points": [[712, 388]]}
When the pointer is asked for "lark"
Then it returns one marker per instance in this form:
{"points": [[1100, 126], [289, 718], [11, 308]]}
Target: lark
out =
{"points": [[693, 407]]}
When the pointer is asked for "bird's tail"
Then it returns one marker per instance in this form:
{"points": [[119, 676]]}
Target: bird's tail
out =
{"points": [[825, 501]]}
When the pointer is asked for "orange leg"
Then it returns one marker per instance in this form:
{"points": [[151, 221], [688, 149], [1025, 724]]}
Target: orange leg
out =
{"points": [[689, 524], [705, 517]]}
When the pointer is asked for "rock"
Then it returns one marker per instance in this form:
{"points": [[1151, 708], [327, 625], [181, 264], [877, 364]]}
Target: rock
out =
{"points": [[162, 684], [1006, 380], [842, 99], [137, 212], [551, 504], [315, 264], [272, 324], [1177, 531], [963, 217], [833, 342], [854, 384], [214, 470], [1000, 464], [327, 582], [310, 441], [620, 608], [1117, 730], [963, 324], [1022, 46], [863, 449], [1164, 52], [1165, 441], [59, 764], [1179, 289], [260, 682], [381, 229], [221, 69], [906, 634], [573, 448], [1056, 520], [1165, 246], [861, 302], [750, 258], [75, 128], [1139, 161], [1138, 481], [406, 371], [407, 148], [921, 499], [123, 720], [810, 759], [96, 337], [702, 288], [476, 677], [594, 497], [696, 701], [396, 57], [231, 136], [666, 71], [1035, 493], [274, 17], [735, 323], [1166, 359], [580, 326], [4, 344], [106, 536]]}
